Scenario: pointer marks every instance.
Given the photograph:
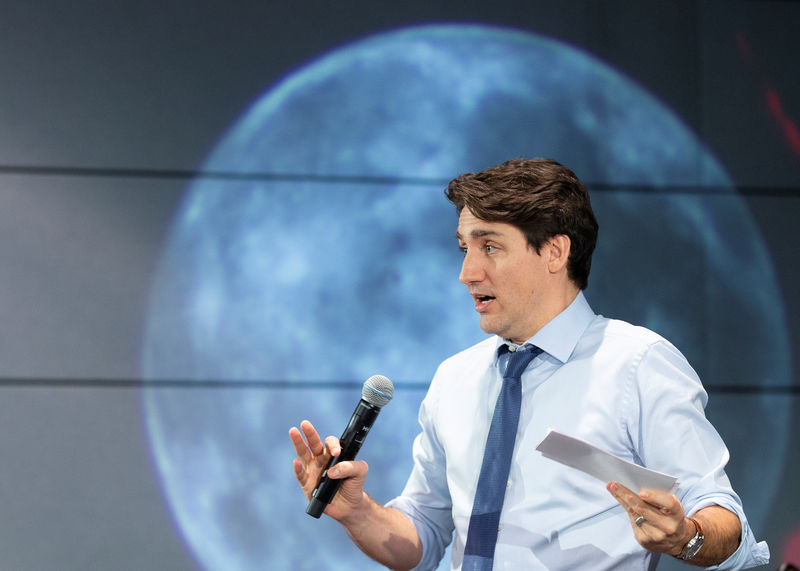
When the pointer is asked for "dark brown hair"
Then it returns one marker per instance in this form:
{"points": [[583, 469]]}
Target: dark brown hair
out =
{"points": [[540, 197]]}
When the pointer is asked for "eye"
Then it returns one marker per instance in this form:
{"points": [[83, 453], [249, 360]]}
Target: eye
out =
{"points": [[489, 248]]}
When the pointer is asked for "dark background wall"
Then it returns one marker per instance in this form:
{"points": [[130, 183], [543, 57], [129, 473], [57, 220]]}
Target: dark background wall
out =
{"points": [[108, 112]]}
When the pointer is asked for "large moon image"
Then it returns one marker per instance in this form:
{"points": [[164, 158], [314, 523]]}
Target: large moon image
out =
{"points": [[277, 295]]}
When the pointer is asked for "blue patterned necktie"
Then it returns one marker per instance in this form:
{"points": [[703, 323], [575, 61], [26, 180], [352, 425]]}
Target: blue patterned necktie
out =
{"points": [[485, 518]]}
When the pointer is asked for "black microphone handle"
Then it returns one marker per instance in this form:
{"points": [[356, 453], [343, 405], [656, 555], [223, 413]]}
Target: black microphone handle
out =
{"points": [[351, 440]]}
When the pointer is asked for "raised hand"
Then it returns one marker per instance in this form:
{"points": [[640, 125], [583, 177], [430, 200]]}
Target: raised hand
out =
{"points": [[313, 456]]}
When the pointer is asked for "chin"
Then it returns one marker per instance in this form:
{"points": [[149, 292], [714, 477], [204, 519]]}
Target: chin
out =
{"points": [[491, 328]]}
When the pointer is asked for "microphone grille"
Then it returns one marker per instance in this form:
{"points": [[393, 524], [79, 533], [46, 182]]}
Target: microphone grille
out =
{"points": [[377, 390]]}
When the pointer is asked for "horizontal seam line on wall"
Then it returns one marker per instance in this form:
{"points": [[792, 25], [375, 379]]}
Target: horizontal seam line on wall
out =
{"points": [[97, 383], [178, 174]]}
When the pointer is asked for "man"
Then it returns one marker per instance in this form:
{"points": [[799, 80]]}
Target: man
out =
{"points": [[527, 231]]}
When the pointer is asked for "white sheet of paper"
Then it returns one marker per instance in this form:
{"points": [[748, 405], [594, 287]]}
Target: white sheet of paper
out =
{"points": [[579, 454]]}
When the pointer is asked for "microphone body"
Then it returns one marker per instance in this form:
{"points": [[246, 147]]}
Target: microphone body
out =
{"points": [[374, 395]]}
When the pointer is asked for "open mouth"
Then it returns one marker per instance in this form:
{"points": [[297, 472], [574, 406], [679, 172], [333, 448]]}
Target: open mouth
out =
{"points": [[482, 301]]}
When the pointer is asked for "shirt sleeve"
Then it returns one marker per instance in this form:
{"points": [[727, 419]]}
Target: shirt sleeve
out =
{"points": [[426, 497], [671, 434]]}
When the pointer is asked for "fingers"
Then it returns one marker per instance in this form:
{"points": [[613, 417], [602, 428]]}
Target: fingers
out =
{"points": [[332, 444], [622, 494], [629, 501], [312, 437], [300, 447], [656, 517], [308, 445], [299, 471], [661, 503], [646, 503], [352, 469]]}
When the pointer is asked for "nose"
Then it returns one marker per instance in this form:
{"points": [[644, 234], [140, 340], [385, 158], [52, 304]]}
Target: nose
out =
{"points": [[471, 269]]}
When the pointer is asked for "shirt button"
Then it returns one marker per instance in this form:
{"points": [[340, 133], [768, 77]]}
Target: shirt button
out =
{"points": [[508, 484], [500, 527], [512, 348]]}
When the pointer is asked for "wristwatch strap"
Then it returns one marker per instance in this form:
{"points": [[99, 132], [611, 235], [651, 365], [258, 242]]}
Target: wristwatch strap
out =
{"points": [[694, 544]]}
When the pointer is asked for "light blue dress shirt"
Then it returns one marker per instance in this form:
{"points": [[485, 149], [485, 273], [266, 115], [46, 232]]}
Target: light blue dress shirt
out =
{"points": [[620, 387]]}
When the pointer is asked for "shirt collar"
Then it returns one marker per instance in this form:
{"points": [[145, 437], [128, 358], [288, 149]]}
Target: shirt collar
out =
{"points": [[561, 334]]}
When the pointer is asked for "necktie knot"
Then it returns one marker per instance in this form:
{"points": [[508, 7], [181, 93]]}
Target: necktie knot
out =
{"points": [[519, 358]]}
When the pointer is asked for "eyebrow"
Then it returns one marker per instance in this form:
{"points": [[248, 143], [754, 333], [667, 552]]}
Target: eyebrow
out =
{"points": [[478, 233]]}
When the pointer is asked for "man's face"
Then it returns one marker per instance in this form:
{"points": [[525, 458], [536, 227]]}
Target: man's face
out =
{"points": [[506, 278]]}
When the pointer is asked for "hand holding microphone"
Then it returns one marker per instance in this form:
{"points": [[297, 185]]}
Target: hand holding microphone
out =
{"points": [[313, 462]]}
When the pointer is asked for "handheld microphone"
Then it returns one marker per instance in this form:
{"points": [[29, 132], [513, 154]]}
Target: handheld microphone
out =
{"points": [[376, 392]]}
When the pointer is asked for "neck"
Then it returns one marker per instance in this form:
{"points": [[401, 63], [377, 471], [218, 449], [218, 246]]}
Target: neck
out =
{"points": [[555, 305]]}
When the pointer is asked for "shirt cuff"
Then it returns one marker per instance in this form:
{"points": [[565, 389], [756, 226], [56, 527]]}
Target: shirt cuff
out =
{"points": [[749, 553]]}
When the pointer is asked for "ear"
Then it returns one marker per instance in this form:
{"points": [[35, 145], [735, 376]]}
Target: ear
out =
{"points": [[558, 253]]}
